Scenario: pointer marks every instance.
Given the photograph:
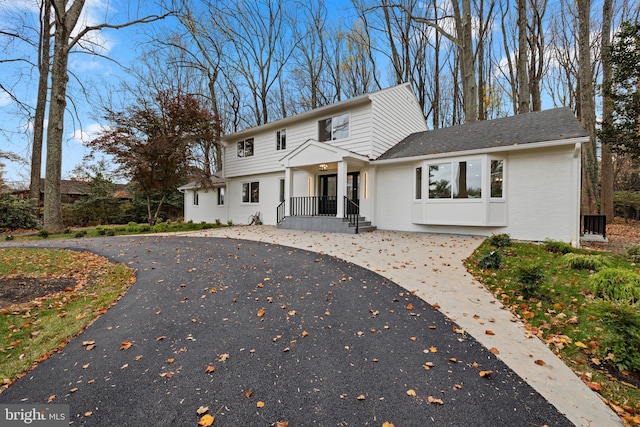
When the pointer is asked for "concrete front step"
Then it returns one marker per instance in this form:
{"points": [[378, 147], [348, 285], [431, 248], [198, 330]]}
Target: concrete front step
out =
{"points": [[325, 224]]}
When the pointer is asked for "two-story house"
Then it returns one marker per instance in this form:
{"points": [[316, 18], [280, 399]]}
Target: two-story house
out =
{"points": [[371, 160]]}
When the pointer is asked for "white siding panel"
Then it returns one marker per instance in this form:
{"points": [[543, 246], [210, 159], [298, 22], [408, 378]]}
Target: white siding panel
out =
{"points": [[207, 209], [239, 212], [395, 115]]}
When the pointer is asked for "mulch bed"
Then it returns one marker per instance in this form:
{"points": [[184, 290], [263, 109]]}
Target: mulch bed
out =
{"points": [[18, 290]]}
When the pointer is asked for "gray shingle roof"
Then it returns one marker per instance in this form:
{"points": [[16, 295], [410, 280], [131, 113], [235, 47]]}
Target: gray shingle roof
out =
{"points": [[540, 126]]}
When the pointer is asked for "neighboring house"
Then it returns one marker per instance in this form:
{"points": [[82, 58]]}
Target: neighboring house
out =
{"points": [[72, 190], [370, 159]]}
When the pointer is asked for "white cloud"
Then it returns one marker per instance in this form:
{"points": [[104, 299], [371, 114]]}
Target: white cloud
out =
{"points": [[89, 132], [5, 99]]}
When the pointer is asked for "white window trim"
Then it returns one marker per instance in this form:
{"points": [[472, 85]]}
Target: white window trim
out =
{"points": [[484, 177], [278, 142], [243, 142]]}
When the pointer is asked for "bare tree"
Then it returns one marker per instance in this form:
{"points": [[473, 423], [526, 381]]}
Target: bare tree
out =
{"points": [[587, 109], [606, 157], [65, 19], [523, 59]]}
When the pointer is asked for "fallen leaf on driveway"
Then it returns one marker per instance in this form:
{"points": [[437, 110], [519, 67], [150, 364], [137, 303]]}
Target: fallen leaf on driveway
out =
{"points": [[201, 410], [411, 393], [434, 400], [206, 420], [261, 312], [361, 397], [222, 357], [260, 404], [126, 345], [485, 373]]}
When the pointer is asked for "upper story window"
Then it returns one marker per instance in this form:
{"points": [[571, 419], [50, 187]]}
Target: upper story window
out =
{"points": [[458, 180], [332, 128], [245, 148], [281, 139]]}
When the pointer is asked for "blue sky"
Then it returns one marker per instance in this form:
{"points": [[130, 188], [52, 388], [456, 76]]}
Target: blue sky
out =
{"points": [[93, 72]]}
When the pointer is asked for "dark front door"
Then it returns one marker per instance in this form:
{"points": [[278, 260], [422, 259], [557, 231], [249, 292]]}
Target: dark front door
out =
{"points": [[327, 203]]}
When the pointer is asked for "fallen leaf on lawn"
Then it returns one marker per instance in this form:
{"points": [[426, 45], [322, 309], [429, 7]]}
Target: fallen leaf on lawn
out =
{"points": [[489, 332], [126, 345], [594, 386], [434, 400], [201, 410], [411, 393], [248, 393], [260, 404], [210, 369], [540, 362], [485, 373], [494, 350], [361, 397], [206, 420], [222, 357], [261, 312], [580, 344], [595, 361]]}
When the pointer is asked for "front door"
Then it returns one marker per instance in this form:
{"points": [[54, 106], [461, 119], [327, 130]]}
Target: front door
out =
{"points": [[327, 204]]}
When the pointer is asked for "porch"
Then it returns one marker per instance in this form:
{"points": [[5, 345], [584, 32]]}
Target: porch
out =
{"points": [[319, 213]]}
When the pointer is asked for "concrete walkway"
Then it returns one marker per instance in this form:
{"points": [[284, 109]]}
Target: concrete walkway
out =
{"points": [[432, 266]]}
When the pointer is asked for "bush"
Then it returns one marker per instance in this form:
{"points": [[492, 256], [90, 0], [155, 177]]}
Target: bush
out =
{"points": [[67, 231], [8, 237], [132, 227], [500, 240], [490, 260], [218, 222], [229, 223], [43, 233], [530, 279], [80, 234], [633, 253], [16, 214], [623, 334], [557, 247], [111, 233], [160, 227], [616, 284], [585, 262]]}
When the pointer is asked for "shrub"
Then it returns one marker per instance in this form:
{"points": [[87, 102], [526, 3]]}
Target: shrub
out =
{"points": [[80, 234], [43, 233], [229, 223], [530, 279], [16, 214], [8, 237], [633, 253], [101, 231], [623, 334], [218, 222], [207, 226], [111, 233], [585, 262], [67, 231], [132, 227], [557, 247], [144, 228], [616, 284], [160, 227], [490, 260], [500, 240]]}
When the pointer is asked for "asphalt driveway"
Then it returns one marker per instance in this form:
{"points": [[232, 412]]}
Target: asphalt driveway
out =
{"points": [[262, 333]]}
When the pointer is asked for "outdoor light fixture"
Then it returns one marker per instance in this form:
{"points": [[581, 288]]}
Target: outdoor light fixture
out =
{"points": [[323, 167]]}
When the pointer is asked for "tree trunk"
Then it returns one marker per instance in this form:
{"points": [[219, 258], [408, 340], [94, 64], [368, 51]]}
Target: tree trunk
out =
{"points": [[606, 161], [65, 21], [467, 60], [587, 110], [523, 59], [44, 59]]}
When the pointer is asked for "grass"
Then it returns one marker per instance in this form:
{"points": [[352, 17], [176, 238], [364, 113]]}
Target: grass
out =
{"points": [[116, 230], [31, 332], [562, 311]]}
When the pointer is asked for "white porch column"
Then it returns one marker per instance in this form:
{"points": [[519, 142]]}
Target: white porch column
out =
{"points": [[288, 187], [342, 188]]}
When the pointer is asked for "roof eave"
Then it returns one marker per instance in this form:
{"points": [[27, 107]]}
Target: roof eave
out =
{"points": [[490, 150]]}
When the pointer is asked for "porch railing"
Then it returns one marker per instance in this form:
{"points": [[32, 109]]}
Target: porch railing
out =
{"points": [[280, 212], [314, 206], [352, 213], [595, 224]]}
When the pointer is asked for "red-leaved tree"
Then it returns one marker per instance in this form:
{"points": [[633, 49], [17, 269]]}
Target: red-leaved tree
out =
{"points": [[152, 143]]}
